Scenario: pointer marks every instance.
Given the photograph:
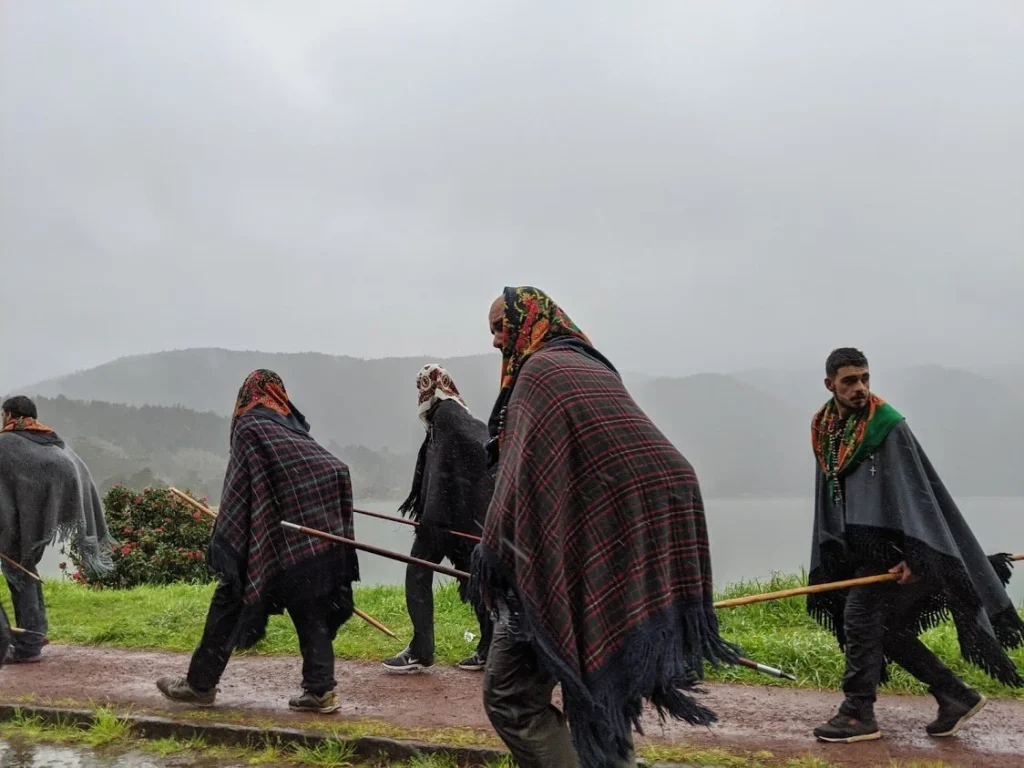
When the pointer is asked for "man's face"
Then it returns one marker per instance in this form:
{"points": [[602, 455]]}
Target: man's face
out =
{"points": [[496, 319], [850, 387], [6, 418]]}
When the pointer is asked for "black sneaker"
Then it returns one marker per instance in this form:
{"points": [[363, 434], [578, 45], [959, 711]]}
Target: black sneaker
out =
{"points": [[843, 729], [474, 663], [178, 689], [953, 713], [325, 703], [406, 663], [14, 656]]}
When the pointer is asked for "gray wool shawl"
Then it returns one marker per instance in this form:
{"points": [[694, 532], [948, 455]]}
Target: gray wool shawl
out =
{"points": [[895, 507], [47, 495]]}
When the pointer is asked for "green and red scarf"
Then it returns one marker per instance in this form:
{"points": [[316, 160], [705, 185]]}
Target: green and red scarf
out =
{"points": [[840, 452]]}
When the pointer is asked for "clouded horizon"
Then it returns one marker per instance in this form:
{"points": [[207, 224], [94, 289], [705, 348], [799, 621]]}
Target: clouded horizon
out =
{"points": [[703, 186]]}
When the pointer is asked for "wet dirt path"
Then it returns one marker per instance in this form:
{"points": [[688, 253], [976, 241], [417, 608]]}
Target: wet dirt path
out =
{"points": [[751, 718]]}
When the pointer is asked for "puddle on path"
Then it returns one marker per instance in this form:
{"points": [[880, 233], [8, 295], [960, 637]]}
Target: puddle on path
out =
{"points": [[18, 754]]}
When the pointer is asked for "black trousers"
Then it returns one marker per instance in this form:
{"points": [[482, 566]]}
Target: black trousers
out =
{"points": [[876, 628], [517, 699], [6, 637], [419, 595], [316, 641], [29, 613]]}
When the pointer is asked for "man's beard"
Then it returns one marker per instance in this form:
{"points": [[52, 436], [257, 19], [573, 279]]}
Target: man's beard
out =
{"points": [[856, 406]]}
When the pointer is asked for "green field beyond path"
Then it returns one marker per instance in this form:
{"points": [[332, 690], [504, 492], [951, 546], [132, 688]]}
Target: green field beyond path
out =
{"points": [[171, 618]]}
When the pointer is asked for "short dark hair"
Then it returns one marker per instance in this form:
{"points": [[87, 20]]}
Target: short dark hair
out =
{"points": [[843, 357], [20, 407]]}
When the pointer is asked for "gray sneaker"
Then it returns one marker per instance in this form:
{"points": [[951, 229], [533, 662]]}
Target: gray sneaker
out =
{"points": [[405, 663], [178, 689], [475, 663], [325, 703]]}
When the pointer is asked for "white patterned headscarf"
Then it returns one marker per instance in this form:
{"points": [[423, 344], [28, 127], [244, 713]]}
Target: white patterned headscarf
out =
{"points": [[434, 384]]}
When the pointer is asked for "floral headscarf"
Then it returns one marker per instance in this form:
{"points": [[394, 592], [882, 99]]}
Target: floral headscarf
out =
{"points": [[532, 321], [434, 384], [26, 424], [262, 387]]}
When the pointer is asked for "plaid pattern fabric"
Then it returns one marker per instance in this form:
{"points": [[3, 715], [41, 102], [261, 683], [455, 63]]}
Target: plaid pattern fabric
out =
{"points": [[597, 523], [274, 474]]}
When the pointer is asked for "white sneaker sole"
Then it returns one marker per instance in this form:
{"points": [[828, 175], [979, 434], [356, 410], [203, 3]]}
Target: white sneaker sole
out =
{"points": [[960, 723], [315, 710], [409, 669], [852, 739]]}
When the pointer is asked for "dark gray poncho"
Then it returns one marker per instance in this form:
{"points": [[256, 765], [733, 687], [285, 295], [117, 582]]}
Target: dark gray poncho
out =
{"points": [[894, 507], [47, 495], [452, 485]]}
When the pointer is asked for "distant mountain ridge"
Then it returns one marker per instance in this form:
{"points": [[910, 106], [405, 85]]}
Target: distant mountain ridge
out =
{"points": [[746, 434]]}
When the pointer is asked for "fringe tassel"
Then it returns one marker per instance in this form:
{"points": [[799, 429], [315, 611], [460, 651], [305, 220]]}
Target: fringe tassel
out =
{"points": [[659, 659], [956, 599], [1003, 566]]}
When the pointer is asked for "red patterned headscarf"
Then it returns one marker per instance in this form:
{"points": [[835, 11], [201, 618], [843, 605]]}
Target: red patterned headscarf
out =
{"points": [[434, 384], [532, 319], [262, 387], [25, 424]]}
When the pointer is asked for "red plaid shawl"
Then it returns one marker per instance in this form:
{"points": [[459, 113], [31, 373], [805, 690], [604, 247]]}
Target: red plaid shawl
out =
{"points": [[597, 523], [274, 474]]}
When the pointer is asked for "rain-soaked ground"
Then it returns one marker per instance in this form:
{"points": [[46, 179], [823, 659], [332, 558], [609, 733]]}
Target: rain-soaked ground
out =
{"points": [[751, 717], [18, 754]]}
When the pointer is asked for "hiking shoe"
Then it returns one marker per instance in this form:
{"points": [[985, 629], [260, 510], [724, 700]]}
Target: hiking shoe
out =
{"points": [[178, 689], [325, 703], [953, 713], [474, 663], [14, 657], [843, 729], [406, 663]]}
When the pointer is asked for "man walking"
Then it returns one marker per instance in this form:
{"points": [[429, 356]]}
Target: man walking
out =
{"points": [[46, 495], [451, 488], [880, 507], [595, 552], [276, 471]]}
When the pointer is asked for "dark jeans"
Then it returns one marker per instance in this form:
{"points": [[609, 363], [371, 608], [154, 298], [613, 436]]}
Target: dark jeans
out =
{"points": [[29, 613], [6, 638], [876, 627], [419, 596], [315, 642], [517, 699]]}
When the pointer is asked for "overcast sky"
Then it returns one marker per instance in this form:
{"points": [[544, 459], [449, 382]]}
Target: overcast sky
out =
{"points": [[702, 185]]}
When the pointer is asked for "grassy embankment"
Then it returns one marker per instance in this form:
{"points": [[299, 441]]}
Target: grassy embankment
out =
{"points": [[171, 618]]}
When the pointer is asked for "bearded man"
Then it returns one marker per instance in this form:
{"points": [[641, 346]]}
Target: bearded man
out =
{"points": [[595, 552], [46, 495], [881, 507], [451, 488], [276, 472]]}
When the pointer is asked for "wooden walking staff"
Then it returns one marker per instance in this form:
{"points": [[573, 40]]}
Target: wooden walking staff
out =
{"points": [[763, 668], [818, 588], [203, 508], [413, 523], [377, 550], [20, 567]]}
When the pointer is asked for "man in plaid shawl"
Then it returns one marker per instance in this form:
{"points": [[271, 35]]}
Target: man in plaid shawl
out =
{"points": [[276, 471], [595, 552]]}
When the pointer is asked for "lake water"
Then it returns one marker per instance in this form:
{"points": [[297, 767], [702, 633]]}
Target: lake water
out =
{"points": [[750, 538]]}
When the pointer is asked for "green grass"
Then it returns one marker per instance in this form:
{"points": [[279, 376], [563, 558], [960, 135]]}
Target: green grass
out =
{"points": [[171, 618]]}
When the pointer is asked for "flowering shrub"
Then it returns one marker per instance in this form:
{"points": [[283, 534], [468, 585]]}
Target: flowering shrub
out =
{"points": [[160, 540]]}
